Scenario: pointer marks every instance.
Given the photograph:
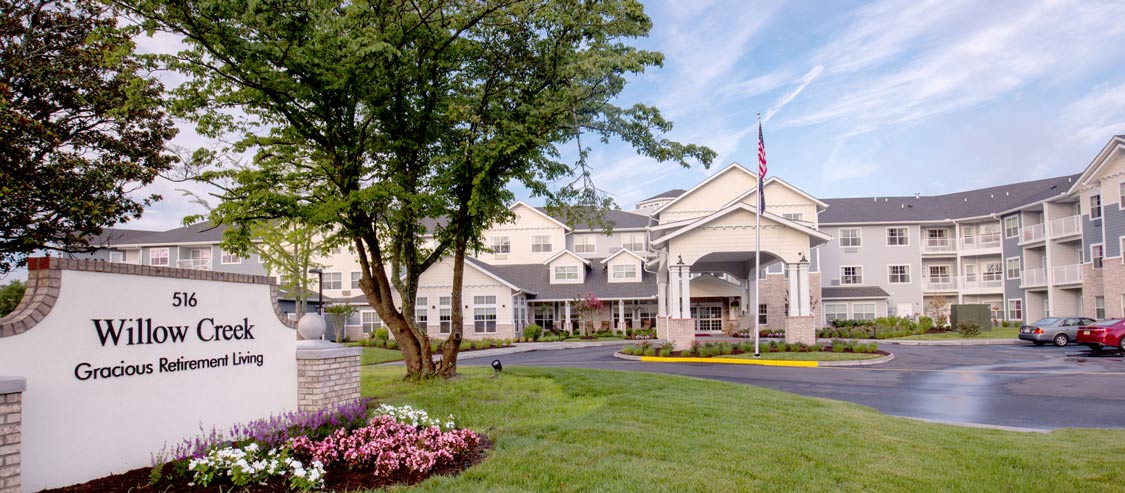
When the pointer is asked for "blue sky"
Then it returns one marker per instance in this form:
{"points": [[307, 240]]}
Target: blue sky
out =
{"points": [[863, 98]]}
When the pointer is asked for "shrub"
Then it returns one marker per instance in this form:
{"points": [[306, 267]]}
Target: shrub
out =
{"points": [[650, 351], [694, 349], [968, 329], [816, 348], [747, 347], [1004, 323], [392, 344], [727, 348], [381, 334], [533, 331], [666, 350], [837, 345]]}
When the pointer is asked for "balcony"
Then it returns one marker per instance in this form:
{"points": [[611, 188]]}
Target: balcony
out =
{"points": [[1067, 226], [1067, 274], [938, 245], [985, 282], [194, 263], [1032, 233], [1034, 277], [983, 242], [939, 284]]}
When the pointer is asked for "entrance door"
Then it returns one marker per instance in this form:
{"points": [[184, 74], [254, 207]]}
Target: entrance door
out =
{"points": [[708, 317]]}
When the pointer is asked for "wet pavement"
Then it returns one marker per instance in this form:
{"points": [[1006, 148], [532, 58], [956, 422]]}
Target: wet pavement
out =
{"points": [[1022, 386]]}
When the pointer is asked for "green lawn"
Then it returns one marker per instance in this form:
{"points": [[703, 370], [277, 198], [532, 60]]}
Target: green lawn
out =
{"points": [[562, 429], [809, 356], [993, 333], [376, 355]]}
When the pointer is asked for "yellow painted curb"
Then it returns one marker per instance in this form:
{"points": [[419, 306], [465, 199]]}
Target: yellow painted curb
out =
{"points": [[731, 361]]}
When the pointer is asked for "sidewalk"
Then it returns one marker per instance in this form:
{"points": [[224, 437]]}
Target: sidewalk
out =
{"points": [[526, 347]]}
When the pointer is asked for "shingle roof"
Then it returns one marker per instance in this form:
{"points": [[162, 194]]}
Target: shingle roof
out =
{"points": [[116, 236], [201, 232], [675, 192], [536, 278], [843, 292], [619, 219], [972, 203]]}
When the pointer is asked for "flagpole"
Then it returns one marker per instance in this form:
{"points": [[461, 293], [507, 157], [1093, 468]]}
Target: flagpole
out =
{"points": [[758, 251]]}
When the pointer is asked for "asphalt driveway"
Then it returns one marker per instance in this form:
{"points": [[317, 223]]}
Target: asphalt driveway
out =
{"points": [[1021, 386]]}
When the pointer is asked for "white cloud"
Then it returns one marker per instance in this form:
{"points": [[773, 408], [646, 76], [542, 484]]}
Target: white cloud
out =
{"points": [[784, 100]]}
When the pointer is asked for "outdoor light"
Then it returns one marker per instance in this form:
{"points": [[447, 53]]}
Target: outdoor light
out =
{"points": [[497, 366]]}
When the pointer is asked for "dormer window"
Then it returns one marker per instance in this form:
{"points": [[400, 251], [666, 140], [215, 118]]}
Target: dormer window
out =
{"points": [[566, 272], [624, 271]]}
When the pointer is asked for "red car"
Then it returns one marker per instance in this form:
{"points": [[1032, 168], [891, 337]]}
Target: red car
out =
{"points": [[1105, 333]]}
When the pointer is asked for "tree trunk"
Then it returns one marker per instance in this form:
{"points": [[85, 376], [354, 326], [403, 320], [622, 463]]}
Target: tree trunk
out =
{"points": [[449, 349]]}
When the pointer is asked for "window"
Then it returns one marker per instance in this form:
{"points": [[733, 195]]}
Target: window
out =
{"points": [[1121, 195], [501, 245], [421, 311], [849, 237], [763, 319], [624, 271], [835, 311], [585, 243], [1099, 307], [1095, 206], [484, 314], [541, 243], [332, 280], [1013, 268], [1096, 254], [992, 272], [900, 274], [939, 273], [356, 276], [937, 234], [634, 242], [370, 321], [851, 275], [445, 314], [863, 311], [1015, 309], [116, 257], [793, 216], [158, 256], [566, 272], [230, 258], [897, 237], [1011, 226], [996, 311]]}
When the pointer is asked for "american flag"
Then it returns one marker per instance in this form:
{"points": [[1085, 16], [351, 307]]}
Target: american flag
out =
{"points": [[761, 168]]}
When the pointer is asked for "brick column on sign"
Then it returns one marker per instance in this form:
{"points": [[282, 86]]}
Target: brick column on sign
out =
{"points": [[327, 375], [11, 412]]}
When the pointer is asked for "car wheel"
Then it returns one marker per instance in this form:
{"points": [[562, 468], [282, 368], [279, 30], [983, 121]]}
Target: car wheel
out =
{"points": [[1039, 343], [1061, 340], [1095, 347], [1121, 344]]}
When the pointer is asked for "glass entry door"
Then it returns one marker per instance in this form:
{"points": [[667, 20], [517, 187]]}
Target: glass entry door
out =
{"points": [[708, 317]]}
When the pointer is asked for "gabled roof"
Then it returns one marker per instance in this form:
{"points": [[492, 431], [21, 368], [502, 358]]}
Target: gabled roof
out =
{"points": [[1117, 142], [541, 213], [675, 192], [773, 179], [565, 252], [748, 208], [118, 236], [623, 251], [489, 271], [852, 292], [201, 232], [968, 204], [731, 167], [619, 220], [536, 280]]}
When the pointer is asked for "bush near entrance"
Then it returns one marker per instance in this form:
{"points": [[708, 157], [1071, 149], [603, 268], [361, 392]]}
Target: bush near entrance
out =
{"points": [[710, 349]]}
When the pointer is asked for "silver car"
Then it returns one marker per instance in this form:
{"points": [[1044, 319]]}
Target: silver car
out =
{"points": [[1058, 330]]}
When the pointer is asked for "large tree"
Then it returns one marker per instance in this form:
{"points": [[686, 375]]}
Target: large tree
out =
{"points": [[82, 126], [401, 113]]}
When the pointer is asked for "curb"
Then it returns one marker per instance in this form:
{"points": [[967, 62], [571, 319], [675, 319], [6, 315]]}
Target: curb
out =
{"points": [[734, 361], [862, 362], [950, 342]]}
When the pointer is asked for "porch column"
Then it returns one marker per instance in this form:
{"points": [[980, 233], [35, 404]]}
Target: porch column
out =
{"points": [[662, 299], [674, 287], [794, 288], [620, 314], [566, 315], [804, 291], [685, 291]]}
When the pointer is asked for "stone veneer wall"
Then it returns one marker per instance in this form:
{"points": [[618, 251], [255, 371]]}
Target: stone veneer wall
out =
{"points": [[327, 377], [11, 415], [1093, 285], [773, 291]]}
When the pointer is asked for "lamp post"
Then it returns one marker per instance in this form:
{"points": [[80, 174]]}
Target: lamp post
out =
{"points": [[319, 290]]}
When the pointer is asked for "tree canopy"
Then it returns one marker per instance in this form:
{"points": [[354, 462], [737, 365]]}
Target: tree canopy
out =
{"points": [[82, 126], [377, 119]]}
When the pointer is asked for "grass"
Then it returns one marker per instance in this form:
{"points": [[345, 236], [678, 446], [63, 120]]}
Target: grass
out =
{"points": [[376, 355], [993, 333], [564, 429], [809, 356]]}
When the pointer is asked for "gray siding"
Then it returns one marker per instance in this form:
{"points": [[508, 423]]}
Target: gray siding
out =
{"points": [[1010, 248], [1114, 223], [1091, 235], [605, 245], [874, 256]]}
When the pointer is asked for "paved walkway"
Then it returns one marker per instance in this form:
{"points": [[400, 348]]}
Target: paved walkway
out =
{"points": [[904, 342], [526, 347]]}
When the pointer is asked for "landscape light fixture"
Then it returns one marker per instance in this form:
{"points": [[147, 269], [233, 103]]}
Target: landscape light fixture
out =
{"points": [[497, 367]]}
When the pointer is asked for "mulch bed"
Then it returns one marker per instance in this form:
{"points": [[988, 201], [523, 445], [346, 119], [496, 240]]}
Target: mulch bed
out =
{"points": [[337, 478]]}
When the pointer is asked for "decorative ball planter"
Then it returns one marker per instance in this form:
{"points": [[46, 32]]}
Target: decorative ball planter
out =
{"points": [[311, 326]]}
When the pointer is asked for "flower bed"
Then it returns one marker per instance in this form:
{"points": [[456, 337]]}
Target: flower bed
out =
{"points": [[338, 449], [720, 349]]}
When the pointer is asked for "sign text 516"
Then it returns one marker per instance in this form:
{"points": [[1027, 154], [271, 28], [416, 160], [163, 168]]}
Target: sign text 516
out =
{"points": [[183, 299]]}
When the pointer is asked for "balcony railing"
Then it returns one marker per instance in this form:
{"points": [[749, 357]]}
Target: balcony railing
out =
{"points": [[986, 240], [194, 263], [981, 282], [938, 245], [939, 284], [1066, 226], [1034, 277], [1034, 232], [1067, 274]]}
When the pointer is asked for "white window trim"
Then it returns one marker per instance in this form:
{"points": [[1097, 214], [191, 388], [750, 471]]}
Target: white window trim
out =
{"points": [[1121, 196], [846, 312], [593, 243], [874, 309], [1008, 312], [493, 243], [377, 324], [858, 237], [624, 243], [948, 269], [223, 258], [1007, 271], [860, 272], [555, 274], [353, 280], [341, 280], [167, 256], [889, 274], [120, 256], [1098, 245], [1101, 206], [613, 277], [907, 236], [484, 306], [1004, 226], [549, 244]]}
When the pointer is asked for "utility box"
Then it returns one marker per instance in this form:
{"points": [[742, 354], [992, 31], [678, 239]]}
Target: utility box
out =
{"points": [[981, 314]]}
